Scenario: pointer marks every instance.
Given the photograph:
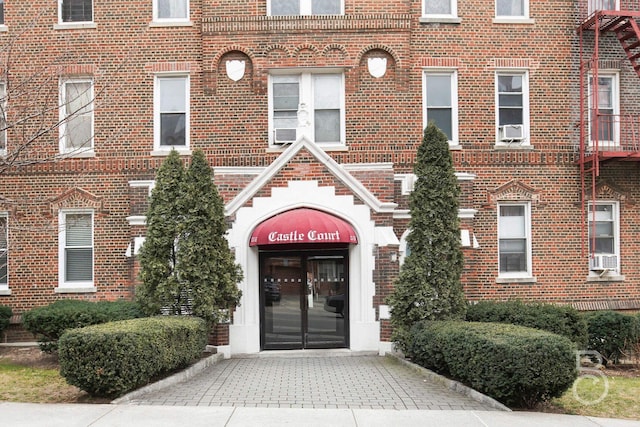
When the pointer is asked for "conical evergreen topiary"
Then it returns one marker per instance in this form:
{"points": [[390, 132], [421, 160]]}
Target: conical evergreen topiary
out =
{"points": [[428, 286], [205, 262], [160, 288], [186, 264]]}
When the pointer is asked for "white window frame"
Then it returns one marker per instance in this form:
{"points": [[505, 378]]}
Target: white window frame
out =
{"points": [[527, 273], [158, 19], [305, 8], [65, 116], [525, 141], [525, 12], [453, 6], [166, 149], [453, 81], [73, 23], [306, 111], [62, 246], [614, 75], [4, 282], [615, 219]]}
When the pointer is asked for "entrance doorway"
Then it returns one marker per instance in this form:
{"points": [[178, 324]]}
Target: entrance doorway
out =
{"points": [[304, 299]]}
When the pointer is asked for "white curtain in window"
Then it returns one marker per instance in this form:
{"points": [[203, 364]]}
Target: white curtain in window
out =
{"points": [[437, 7], [79, 111], [327, 102], [510, 7], [172, 9]]}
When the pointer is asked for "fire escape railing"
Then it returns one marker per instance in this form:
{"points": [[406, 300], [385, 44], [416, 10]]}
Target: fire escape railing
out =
{"points": [[604, 135]]}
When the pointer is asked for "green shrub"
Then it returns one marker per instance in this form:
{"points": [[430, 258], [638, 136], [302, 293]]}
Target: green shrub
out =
{"points": [[611, 332], [5, 315], [48, 323], [561, 320], [515, 365], [114, 358]]}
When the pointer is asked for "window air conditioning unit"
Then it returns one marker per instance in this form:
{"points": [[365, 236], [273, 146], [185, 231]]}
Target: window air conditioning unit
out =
{"points": [[512, 133], [603, 262], [284, 135]]}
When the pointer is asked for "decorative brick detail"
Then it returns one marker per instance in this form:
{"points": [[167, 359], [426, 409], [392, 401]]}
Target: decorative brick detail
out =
{"points": [[513, 191], [438, 62], [75, 198]]}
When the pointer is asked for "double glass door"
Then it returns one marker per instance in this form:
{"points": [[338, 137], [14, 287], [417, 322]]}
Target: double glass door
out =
{"points": [[304, 300]]}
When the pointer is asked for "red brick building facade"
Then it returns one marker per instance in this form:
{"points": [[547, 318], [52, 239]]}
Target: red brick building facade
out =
{"points": [[321, 105]]}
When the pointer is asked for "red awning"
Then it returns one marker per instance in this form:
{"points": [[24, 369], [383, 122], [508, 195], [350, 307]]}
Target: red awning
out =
{"points": [[302, 226]]}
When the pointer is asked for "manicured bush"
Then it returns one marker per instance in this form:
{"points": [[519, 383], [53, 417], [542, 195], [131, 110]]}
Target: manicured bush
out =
{"points": [[515, 365], [5, 315], [559, 319], [48, 323], [114, 358], [611, 332]]}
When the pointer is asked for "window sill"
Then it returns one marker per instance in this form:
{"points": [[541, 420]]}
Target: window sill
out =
{"points": [[440, 20], [75, 26], [280, 148], [5, 292], [183, 151], [3, 28], [455, 147], [608, 276], [78, 154], [525, 21], [165, 24], [517, 279], [512, 146], [78, 290]]}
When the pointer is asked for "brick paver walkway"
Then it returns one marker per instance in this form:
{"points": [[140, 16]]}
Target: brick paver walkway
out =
{"points": [[355, 382]]}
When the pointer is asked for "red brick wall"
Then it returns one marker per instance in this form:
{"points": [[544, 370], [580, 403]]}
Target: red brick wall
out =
{"points": [[384, 125]]}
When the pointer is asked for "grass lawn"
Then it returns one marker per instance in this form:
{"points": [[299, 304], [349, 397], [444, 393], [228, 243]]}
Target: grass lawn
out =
{"points": [[34, 385], [619, 401]]}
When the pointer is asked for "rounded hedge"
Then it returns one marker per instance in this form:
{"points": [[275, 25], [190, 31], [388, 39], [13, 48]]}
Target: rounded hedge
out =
{"points": [[48, 323], [611, 333], [515, 365], [113, 358], [559, 319]]}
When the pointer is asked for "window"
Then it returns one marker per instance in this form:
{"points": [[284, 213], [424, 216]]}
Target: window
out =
{"points": [[441, 102], [1, 12], [3, 119], [603, 121], [76, 115], [604, 234], [439, 8], [305, 7], [171, 10], [514, 243], [171, 112], [602, 5], [4, 248], [76, 248], [75, 11], [307, 104], [512, 8], [512, 100]]}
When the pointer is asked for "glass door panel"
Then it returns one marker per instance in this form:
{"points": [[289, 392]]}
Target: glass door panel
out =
{"points": [[281, 282], [326, 302]]}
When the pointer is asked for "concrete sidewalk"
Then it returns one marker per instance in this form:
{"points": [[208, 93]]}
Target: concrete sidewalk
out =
{"points": [[74, 415]]}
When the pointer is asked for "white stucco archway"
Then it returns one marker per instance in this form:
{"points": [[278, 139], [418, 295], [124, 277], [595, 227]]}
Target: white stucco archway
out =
{"points": [[363, 326]]}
